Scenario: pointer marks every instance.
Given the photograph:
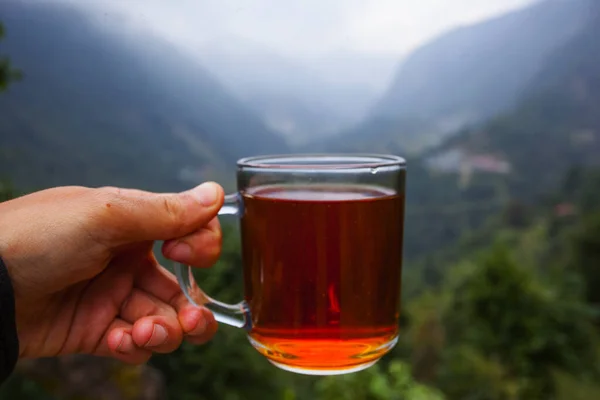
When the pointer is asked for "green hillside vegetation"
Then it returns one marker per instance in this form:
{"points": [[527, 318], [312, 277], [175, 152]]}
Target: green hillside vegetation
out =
{"points": [[513, 319]]}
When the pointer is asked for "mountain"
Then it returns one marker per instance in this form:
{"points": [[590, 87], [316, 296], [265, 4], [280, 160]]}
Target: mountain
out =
{"points": [[556, 124], [514, 159], [101, 105], [467, 75], [301, 99]]}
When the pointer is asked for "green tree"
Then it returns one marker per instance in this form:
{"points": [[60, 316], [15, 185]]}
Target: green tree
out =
{"points": [[509, 329], [7, 72], [585, 257]]}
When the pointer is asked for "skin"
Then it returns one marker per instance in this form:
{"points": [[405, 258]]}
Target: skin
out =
{"points": [[86, 280]]}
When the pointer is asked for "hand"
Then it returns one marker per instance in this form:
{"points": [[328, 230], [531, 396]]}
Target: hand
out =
{"points": [[85, 277]]}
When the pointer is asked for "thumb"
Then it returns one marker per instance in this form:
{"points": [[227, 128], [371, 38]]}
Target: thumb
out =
{"points": [[136, 215]]}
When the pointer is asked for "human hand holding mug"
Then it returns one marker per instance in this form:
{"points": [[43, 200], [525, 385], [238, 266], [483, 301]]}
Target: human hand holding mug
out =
{"points": [[84, 276], [322, 249]]}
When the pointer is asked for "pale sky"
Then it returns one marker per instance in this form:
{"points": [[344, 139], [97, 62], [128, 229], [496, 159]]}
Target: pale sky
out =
{"points": [[303, 28]]}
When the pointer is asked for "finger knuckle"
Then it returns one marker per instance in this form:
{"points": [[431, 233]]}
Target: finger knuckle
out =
{"points": [[174, 210], [102, 207], [177, 301], [109, 193], [107, 199]]}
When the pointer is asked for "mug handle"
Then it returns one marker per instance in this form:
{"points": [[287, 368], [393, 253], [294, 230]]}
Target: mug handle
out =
{"points": [[237, 315]]}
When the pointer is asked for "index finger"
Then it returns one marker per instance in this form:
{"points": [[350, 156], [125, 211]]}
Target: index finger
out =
{"points": [[199, 249]]}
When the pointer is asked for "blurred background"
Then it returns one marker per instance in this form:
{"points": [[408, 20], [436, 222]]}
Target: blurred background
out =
{"points": [[494, 103]]}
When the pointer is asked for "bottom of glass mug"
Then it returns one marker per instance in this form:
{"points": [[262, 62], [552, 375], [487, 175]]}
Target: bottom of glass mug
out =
{"points": [[323, 372], [323, 356]]}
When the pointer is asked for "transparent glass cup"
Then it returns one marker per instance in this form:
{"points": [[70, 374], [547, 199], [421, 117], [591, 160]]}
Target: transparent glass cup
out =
{"points": [[322, 240]]}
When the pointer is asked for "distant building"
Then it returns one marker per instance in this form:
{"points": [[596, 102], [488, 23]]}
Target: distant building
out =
{"points": [[584, 137], [457, 161], [488, 163], [564, 210]]}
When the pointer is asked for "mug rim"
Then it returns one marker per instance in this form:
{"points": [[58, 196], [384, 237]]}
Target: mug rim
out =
{"points": [[322, 161]]}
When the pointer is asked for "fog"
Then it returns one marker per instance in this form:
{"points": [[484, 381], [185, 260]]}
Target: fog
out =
{"points": [[309, 68], [303, 29]]}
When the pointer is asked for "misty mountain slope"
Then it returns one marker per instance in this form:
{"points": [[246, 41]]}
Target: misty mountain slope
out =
{"points": [[554, 127], [297, 98], [557, 123], [98, 107], [481, 69], [467, 75]]}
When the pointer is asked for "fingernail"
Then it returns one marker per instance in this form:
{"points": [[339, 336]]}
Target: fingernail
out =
{"points": [[206, 193], [180, 251], [126, 343], [159, 336]]}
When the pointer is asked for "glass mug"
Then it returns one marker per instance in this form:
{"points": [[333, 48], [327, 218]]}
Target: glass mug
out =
{"points": [[322, 258]]}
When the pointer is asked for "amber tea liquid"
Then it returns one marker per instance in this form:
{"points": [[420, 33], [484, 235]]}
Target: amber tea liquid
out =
{"points": [[322, 270]]}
